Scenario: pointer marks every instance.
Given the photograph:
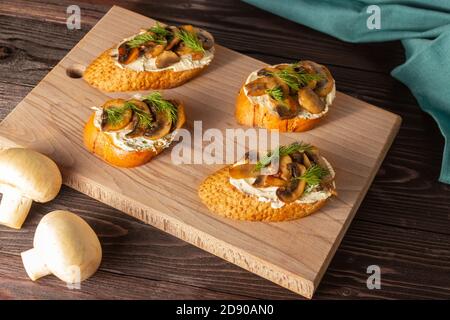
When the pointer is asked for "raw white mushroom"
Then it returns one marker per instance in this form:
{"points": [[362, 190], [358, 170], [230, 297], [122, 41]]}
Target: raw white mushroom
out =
{"points": [[25, 175], [65, 246]]}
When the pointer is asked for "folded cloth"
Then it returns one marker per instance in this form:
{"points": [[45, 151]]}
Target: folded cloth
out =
{"points": [[423, 26]]}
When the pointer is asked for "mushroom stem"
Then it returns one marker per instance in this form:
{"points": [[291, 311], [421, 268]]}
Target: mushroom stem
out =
{"points": [[34, 264], [14, 208]]}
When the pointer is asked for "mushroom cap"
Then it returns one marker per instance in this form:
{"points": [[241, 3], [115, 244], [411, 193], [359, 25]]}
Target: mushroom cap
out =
{"points": [[68, 245], [34, 175]]}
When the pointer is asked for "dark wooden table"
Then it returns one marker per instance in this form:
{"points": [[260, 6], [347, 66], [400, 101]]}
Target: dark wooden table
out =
{"points": [[403, 225]]}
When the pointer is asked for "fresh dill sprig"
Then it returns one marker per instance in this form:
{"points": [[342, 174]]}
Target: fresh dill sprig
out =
{"points": [[114, 115], [314, 174], [191, 40], [162, 105], [159, 30], [143, 38], [276, 93], [144, 119], [282, 151], [296, 79]]}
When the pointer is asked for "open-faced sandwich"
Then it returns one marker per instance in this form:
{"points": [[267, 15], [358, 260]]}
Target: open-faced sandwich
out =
{"points": [[129, 133], [288, 183], [157, 58], [288, 97]]}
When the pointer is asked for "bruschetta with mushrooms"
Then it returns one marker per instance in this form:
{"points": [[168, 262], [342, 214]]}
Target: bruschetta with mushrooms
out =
{"points": [[288, 183], [288, 97], [129, 133], [160, 57]]}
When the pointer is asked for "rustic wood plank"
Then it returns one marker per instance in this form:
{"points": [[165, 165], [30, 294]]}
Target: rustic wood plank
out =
{"points": [[408, 173]]}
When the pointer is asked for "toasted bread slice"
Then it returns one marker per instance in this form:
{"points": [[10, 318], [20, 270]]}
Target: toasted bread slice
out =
{"points": [[99, 143], [104, 74], [254, 115], [224, 199]]}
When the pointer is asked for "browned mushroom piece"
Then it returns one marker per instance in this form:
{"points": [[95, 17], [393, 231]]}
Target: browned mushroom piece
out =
{"points": [[127, 55], [266, 181], [285, 170], [288, 108], [160, 127], [306, 162], [139, 127], [154, 51], [297, 157], [294, 190], [310, 101], [127, 115], [166, 59], [325, 85], [267, 71], [244, 171], [206, 39], [173, 40], [259, 86]]}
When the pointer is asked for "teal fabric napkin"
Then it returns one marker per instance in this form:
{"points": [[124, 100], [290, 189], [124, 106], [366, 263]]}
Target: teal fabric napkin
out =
{"points": [[423, 26]]}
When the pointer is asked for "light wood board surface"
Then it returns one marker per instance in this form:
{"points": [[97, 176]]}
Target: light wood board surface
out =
{"points": [[354, 138]]}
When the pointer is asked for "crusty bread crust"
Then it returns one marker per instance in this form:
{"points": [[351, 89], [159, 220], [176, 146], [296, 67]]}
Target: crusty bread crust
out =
{"points": [[253, 115], [101, 144], [224, 199], [105, 75]]}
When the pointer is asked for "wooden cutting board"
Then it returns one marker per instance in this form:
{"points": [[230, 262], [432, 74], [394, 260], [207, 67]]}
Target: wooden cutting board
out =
{"points": [[354, 138]]}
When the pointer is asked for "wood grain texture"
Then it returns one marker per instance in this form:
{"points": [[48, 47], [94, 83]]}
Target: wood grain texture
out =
{"points": [[405, 201], [354, 137]]}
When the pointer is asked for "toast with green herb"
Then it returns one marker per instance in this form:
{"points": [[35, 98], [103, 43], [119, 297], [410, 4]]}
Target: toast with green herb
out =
{"points": [[288, 97], [160, 57], [287, 183], [129, 133]]}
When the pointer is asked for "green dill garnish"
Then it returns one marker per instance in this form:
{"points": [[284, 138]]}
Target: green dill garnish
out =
{"points": [[162, 105], [296, 79], [282, 151], [275, 93], [159, 30], [114, 115], [314, 174], [144, 119], [143, 38], [191, 40]]}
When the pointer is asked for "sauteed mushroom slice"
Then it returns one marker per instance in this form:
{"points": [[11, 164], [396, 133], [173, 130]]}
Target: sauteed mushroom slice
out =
{"points": [[287, 109], [181, 117], [285, 170], [154, 51], [259, 86], [206, 39], [297, 157], [139, 126], [126, 116], [295, 188], [174, 40], [324, 86], [166, 59], [310, 101], [127, 55], [306, 162], [244, 171], [161, 125], [265, 181]]}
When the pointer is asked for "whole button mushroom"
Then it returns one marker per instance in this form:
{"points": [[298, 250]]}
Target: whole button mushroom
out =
{"points": [[65, 246], [25, 175]]}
